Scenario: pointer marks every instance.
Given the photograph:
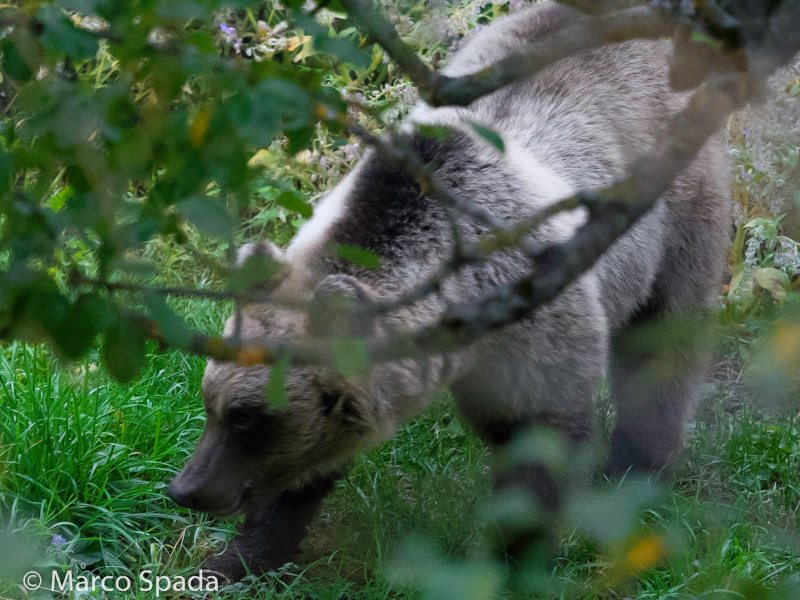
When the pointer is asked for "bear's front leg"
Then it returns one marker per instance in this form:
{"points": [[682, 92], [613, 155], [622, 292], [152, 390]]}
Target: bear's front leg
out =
{"points": [[271, 533]]}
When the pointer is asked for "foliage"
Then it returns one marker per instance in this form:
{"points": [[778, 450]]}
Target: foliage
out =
{"points": [[134, 124], [140, 141]]}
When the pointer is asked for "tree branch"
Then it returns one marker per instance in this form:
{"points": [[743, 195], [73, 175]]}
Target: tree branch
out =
{"points": [[613, 210], [77, 279], [595, 7], [585, 34], [381, 30], [245, 352], [397, 150]]}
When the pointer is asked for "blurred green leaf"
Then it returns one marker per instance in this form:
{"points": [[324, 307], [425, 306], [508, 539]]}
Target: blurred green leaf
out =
{"points": [[359, 256], [608, 514], [70, 328], [293, 201], [172, 327], [256, 271], [14, 64], [434, 132], [124, 349], [773, 280], [208, 215], [350, 356], [514, 509], [490, 135], [419, 565], [345, 49], [276, 384], [19, 551], [183, 11], [61, 35]]}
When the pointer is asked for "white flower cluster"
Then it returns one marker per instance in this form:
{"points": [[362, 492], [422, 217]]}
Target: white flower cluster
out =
{"points": [[787, 258], [267, 41], [764, 245]]}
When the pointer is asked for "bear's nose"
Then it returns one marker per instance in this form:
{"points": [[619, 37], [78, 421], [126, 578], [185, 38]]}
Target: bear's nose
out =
{"points": [[181, 494]]}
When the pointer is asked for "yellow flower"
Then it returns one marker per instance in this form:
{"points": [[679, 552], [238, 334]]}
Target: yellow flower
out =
{"points": [[645, 553]]}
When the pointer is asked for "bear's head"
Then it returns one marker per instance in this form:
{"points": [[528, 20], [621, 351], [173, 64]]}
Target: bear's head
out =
{"points": [[257, 446]]}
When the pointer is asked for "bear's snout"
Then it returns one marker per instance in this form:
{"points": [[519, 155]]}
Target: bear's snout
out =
{"points": [[181, 494], [203, 498]]}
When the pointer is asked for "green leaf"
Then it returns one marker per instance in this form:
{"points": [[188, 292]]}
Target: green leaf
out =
{"points": [[57, 201], [70, 328], [489, 135], [6, 170], [124, 349], [608, 514], [300, 139], [292, 201], [95, 309], [61, 35], [698, 37], [434, 132], [273, 105], [514, 509], [276, 385], [345, 49], [420, 565], [81, 6], [359, 256], [209, 216], [289, 100], [201, 40], [256, 271], [773, 280], [173, 328], [182, 11], [350, 356], [14, 64]]}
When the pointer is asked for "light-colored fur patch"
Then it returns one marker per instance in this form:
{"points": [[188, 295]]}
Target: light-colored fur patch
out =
{"points": [[546, 185], [313, 235]]}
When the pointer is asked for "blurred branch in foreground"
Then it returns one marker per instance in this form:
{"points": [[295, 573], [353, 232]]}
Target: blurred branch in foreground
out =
{"points": [[613, 210], [725, 58]]}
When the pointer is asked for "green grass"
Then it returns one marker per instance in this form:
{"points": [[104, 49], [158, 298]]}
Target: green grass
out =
{"points": [[88, 459]]}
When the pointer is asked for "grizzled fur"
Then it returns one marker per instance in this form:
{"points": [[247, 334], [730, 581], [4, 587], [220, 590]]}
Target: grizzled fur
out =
{"points": [[576, 125]]}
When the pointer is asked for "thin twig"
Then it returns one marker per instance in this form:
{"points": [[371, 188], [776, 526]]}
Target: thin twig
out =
{"points": [[77, 279], [584, 34], [595, 7], [380, 29], [397, 149]]}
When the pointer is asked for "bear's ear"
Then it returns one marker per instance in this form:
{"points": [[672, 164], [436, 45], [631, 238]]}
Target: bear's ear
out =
{"points": [[338, 399], [258, 249], [335, 307], [260, 266]]}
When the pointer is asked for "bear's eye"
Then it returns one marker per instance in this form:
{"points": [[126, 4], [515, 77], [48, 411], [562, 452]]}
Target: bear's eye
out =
{"points": [[241, 419], [328, 401]]}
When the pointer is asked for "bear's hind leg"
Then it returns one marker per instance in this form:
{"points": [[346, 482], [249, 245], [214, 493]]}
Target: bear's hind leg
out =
{"points": [[658, 365], [655, 391], [537, 380], [660, 360]]}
